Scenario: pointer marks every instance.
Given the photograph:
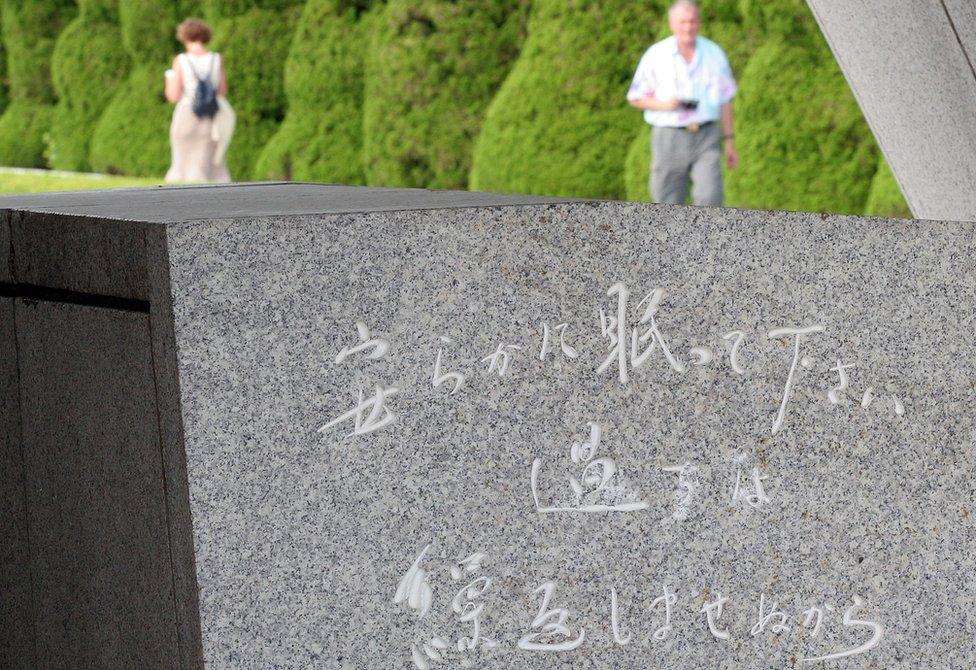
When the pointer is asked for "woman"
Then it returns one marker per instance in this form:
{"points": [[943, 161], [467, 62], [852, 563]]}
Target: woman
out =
{"points": [[199, 142]]}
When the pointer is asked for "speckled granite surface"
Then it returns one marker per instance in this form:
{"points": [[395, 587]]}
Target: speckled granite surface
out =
{"points": [[516, 491], [303, 534]]}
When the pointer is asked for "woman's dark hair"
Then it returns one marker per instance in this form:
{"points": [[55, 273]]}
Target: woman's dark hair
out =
{"points": [[194, 30]]}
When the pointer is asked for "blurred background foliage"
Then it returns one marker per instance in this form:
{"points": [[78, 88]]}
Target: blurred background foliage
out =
{"points": [[29, 32], [501, 95]]}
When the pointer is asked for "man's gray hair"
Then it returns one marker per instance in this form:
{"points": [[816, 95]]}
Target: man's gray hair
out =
{"points": [[683, 3]]}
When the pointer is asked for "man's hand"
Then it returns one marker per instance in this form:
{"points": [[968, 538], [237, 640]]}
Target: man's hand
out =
{"points": [[731, 156]]}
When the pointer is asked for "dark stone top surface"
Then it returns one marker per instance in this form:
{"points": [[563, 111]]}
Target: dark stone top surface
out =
{"points": [[171, 204]]}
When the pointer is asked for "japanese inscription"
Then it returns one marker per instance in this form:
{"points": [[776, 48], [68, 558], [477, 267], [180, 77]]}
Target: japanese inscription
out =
{"points": [[552, 628], [630, 345], [589, 478]]}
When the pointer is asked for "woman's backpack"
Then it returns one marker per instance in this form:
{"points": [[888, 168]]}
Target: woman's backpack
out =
{"points": [[205, 98]]}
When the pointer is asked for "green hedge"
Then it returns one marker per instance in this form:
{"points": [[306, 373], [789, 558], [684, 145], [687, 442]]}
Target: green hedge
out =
{"points": [[149, 29], [802, 140], [432, 70], [29, 32], [4, 85], [88, 65], [637, 166], [132, 134], [885, 197], [100, 10], [217, 9], [23, 127], [789, 20], [560, 125], [251, 44], [321, 138]]}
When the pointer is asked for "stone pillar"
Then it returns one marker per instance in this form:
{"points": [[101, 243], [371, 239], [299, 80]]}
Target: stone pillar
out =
{"points": [[910, 64]]}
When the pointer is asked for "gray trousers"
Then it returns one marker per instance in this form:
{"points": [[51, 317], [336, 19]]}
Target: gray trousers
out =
{"points": [[678, 154]]}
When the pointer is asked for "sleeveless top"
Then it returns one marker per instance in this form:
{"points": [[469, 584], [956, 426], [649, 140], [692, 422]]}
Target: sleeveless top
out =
{"points": [[194, 68]]}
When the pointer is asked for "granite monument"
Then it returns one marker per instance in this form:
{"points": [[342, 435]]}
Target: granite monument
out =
{"points": [[295, 426]]}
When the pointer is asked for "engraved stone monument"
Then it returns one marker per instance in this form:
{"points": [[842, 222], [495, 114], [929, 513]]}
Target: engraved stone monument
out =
{"points": [[295, 426]]}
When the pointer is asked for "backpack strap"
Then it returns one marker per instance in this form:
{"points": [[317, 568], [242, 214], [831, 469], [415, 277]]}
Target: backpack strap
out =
{"points": [[210, 72]]}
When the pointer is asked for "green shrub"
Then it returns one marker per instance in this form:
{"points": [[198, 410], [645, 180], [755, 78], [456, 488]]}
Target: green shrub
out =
{"points": [[251, 45], [321, 137], [22, 128], [187, 8], [100, 10], [802, 140], [4, 85], [216, 9], [149, 29], [885, 197], [637, 166], [132, 134], [737, 40], [560, 124], [433, 68], [87, 66], [789, 20], [29, 32]]}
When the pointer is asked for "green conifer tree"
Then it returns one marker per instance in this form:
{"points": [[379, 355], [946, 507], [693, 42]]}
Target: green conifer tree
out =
{"points": [[788, 20], [560, 124], [637, 168], [433, 68], [802, 140], [321, 138], [88, 65], [5, 84], [253, 38], [885, 197], [132, 135], [29, 33]]}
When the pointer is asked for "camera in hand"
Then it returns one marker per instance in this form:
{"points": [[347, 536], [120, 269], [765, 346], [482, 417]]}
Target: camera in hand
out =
{"points": [[688, 104]]}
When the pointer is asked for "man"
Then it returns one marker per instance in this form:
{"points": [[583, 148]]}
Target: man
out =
{"points": [[684, 85]]}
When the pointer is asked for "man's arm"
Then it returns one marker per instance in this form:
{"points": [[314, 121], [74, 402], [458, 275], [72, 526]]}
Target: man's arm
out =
{"points": [[652, 103], [641, 93], [728, 135]]}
